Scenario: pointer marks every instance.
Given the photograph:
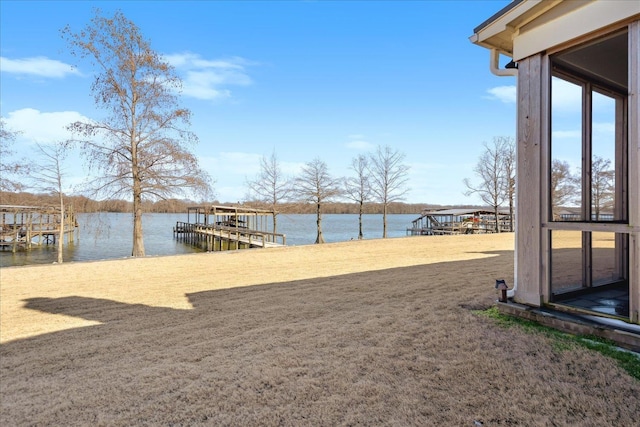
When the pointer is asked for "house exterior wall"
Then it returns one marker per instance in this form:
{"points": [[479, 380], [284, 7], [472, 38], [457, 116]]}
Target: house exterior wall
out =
{"points": [[533, 151], [532, 31]]}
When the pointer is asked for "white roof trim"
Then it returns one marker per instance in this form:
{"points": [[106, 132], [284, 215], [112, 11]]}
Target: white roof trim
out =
{"points": [[591, 17], [503, 28], [530, 27]]}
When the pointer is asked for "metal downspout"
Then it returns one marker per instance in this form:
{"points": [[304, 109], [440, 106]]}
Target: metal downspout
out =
{"points": [[494, 66]]}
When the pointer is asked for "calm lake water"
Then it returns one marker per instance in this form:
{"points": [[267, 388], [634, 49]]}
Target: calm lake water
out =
{"points": [[109, 235]]}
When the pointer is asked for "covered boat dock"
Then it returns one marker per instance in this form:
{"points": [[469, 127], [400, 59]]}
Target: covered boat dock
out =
{"points": [[459, 221], [21, 227], [217, 227]]}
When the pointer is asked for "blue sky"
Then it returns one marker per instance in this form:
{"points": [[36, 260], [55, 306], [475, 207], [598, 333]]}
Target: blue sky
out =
{"points": [[327, 79]]}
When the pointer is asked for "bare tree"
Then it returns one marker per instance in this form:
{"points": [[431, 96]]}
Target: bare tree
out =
{"points": [[563, 186], [48, 176], [271, 186], [141, 149], [10, 169], [316, 185], [388, 179], [358, 187], [492, 182], [509, 162], [602, 188]]}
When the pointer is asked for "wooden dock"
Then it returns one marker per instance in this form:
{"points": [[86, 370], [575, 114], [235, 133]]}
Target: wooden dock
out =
{"points": [[22, 227], [218, 228], [458, 221]]}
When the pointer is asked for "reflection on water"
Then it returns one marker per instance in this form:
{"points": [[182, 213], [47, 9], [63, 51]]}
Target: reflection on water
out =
{"points": [[109, 235], [106, 236]]}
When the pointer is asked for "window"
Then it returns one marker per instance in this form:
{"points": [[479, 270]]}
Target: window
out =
{"points": [[588, 165], [587, 152]]}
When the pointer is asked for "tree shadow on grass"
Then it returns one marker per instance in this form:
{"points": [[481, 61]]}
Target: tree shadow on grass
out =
{"points": [[338, 350], [384, 347], [97, 309], [453, 282]]}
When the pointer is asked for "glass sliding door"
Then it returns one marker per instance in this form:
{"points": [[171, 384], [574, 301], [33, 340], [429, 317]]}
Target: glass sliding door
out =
{"points": [[588, 167], [566, 150]]}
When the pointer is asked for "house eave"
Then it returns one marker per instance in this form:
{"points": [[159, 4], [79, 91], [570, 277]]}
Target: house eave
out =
{"points": [[526, 27], [499, 31]]}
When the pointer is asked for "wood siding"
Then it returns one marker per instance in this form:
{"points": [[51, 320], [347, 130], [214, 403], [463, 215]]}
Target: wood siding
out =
{"points": [[528, 186]]}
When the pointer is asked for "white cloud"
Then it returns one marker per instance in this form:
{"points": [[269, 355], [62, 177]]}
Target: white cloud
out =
{"points": [[566, 134], [357, 142], [232, 170], [426, 182], [238, 161], [231, 166], [207, 79], [37, 66], [416, 168], [602, 129], [506, 94], [360, 145], [230, 194], [291, 168], [44, 128], [608, 128], [565, 96], [36, 126]]}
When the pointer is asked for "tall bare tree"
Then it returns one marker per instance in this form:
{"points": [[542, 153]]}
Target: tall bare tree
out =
{"points": [[563, 186], [48, 176], [141, 149], [316, 185], [10, 169], [271, 186], [509, 162], [389, 176], [492, 182], [602, 187], [358, 187]]}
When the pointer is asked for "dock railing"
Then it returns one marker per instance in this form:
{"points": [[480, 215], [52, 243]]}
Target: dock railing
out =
{"points": [[21, 227], [214, 237]]}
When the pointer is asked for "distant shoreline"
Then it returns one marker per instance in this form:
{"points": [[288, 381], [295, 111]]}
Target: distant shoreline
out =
{"points": [[109, 235]]}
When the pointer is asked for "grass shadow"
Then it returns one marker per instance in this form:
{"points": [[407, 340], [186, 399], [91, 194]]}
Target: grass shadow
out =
{"points": [[383, 347]]}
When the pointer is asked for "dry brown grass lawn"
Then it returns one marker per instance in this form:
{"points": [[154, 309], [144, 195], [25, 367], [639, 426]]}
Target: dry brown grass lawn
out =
{"points": [[376, 332]]}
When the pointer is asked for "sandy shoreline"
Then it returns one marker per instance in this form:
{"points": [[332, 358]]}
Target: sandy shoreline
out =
{"points": [[165, 281]]}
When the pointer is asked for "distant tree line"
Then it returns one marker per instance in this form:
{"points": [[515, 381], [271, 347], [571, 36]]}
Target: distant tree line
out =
{"points": [[347, 208], [82, 204]]}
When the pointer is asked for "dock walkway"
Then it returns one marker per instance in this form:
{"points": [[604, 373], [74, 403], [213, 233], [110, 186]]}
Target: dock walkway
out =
{"points": [[218, 228]]}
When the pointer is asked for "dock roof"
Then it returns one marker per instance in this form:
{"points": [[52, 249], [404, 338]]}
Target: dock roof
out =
{"points": [[463, 211], [229, 210]]}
